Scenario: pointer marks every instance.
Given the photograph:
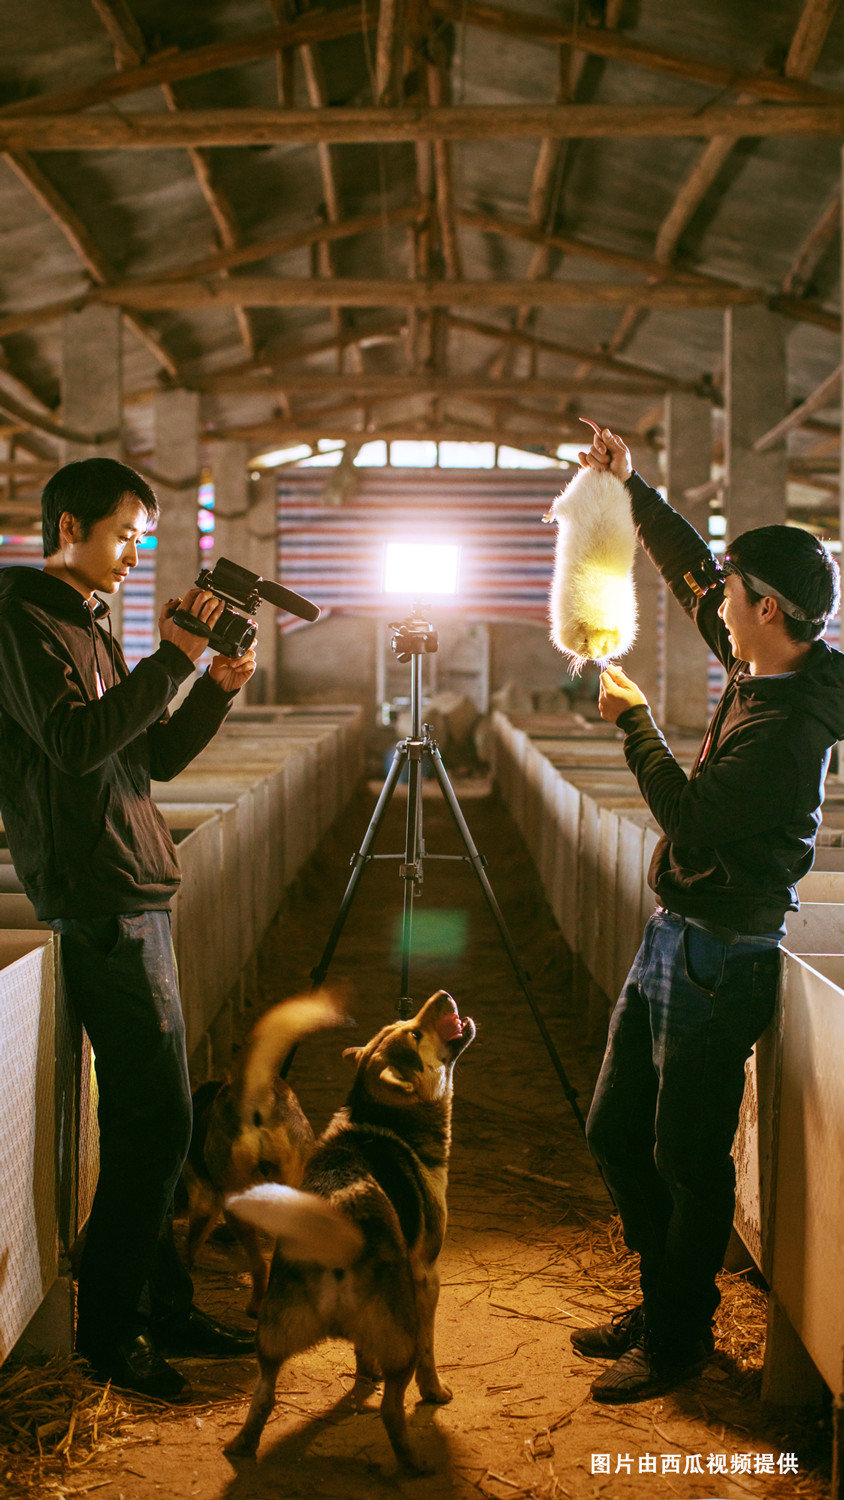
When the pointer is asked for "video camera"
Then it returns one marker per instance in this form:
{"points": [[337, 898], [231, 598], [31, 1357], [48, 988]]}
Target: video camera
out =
{"points": [[241, 593]]}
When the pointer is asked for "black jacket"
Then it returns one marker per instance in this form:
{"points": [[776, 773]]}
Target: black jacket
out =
{"points": [[85, 837], [739, 832]]}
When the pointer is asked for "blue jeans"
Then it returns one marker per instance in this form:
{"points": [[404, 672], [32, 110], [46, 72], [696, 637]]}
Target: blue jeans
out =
{"points": [[120, 977], [666, 1108]]}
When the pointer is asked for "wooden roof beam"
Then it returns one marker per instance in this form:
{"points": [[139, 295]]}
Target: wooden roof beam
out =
{"points": [[814, 246], [386, 387], [145, 130], [173, 66], [315, 26], [130, 50], [80, 241], [248, 254], [267, 291], [803, 54], [571, 351], [605, 42], [823, 395]]}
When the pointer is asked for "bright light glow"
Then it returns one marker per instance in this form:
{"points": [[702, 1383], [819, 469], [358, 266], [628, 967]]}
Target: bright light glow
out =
{"points": [[519, 458], [571, 450], [325, 460], [372, 455], [279, 456], [406, 453], [718, 547], [717, 525], [467, 455], [421, 568]]}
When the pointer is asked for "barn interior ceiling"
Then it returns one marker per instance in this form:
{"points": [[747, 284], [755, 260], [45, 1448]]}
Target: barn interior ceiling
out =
{"points": [[419, 218]]}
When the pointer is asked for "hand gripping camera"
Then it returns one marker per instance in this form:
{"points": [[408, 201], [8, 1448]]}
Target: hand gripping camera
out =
{"points": [[241, 593]]}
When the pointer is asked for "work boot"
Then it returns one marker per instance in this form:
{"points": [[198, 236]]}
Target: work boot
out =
{"points": [[646, 1370], [609, 1340]]}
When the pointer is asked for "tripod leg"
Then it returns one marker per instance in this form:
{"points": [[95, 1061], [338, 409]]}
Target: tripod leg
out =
{"points": [[411, 870], [477, 863], [359, 861]]}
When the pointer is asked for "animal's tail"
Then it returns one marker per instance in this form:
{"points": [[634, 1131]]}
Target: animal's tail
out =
{"points": [[272, 1039], [306, 1227]]}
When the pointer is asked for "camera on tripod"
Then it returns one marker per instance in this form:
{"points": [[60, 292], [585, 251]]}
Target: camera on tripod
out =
{"points": [[412, 637], [241, 593]]}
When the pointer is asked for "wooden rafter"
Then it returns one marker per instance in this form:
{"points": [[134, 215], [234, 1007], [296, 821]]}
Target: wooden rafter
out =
{"points": [[267, 291], [224, 259], [35, 419], [823, 395], [803, 54], [605, 42], [603, 361], [814, 246], [317, 26], [175, 67], [388, 387], [130, 50], [77, 236], [548, 170], [145, 130]]}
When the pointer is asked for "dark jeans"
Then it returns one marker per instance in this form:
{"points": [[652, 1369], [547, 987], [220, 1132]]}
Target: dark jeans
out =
{"points": [[666, 1107], [120, 976]]}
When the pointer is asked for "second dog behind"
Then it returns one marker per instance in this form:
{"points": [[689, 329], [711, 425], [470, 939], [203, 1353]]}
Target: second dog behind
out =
{"points": [[357, 1249], [252, 1129]]}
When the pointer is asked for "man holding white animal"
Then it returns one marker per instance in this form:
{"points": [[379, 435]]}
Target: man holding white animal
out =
{"points": [[738, 833]]}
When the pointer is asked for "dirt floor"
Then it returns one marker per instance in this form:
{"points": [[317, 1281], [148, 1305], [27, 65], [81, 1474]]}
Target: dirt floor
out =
{"points": [[531, 1252]]}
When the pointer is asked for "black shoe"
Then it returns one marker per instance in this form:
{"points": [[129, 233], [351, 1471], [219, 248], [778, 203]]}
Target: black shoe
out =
{"points": [[194, 1333], [609, 1340], [134, 1364], [643, 1372]]}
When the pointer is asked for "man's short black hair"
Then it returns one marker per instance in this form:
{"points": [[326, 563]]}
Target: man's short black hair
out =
{"points": [[89, 488], [798, 566]]}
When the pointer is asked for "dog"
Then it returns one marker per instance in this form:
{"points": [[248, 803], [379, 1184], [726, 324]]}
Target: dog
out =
{"points": [[252, 1129], [592, 601], [357, 1248]]}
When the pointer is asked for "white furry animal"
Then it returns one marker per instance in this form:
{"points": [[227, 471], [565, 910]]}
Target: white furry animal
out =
{"points": [[592, 603]]}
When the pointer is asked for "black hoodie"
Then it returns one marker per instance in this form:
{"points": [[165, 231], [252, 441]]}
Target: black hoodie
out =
{"points": [[80, 736], [739, 832]]}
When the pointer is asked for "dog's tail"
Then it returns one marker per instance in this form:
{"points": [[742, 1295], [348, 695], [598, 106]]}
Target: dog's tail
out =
{"points": [[270, 1042], [306, 1227]]}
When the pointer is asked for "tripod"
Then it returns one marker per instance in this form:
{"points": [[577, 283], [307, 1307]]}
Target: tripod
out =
{"points": [[413, 638]]}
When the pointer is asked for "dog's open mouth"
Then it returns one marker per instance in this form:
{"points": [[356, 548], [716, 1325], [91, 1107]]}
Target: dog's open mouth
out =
{"points": [[450, 1027]]}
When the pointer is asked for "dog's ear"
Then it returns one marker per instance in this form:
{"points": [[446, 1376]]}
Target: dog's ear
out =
{"points": [[394, 1079], [354, 1052]]}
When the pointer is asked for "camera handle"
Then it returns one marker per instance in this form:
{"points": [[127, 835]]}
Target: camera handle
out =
{"points": [[191, 623]]}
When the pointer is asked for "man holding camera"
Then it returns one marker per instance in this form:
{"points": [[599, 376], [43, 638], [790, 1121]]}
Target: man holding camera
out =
{"points": [[738, 833], [80, 738]]}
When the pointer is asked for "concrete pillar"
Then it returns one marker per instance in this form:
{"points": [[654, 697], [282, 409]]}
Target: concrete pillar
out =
{"points": [[644, 662], [92, 386], [176, 459], [245, 532], [92, 392], [688, 439], [755, 397]]}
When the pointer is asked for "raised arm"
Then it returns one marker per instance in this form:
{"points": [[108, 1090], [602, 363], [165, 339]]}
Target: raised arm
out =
{"points": [[670, 541]]}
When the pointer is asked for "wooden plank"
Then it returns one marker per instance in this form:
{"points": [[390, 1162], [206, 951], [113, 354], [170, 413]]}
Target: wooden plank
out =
{"points": [[390, 387], [154, 130]]}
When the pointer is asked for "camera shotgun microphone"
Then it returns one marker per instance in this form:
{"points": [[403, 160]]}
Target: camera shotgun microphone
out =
{"points": [[282, 598]]}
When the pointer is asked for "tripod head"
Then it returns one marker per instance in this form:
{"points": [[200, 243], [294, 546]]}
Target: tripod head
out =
{"points": [[413, 636]]}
